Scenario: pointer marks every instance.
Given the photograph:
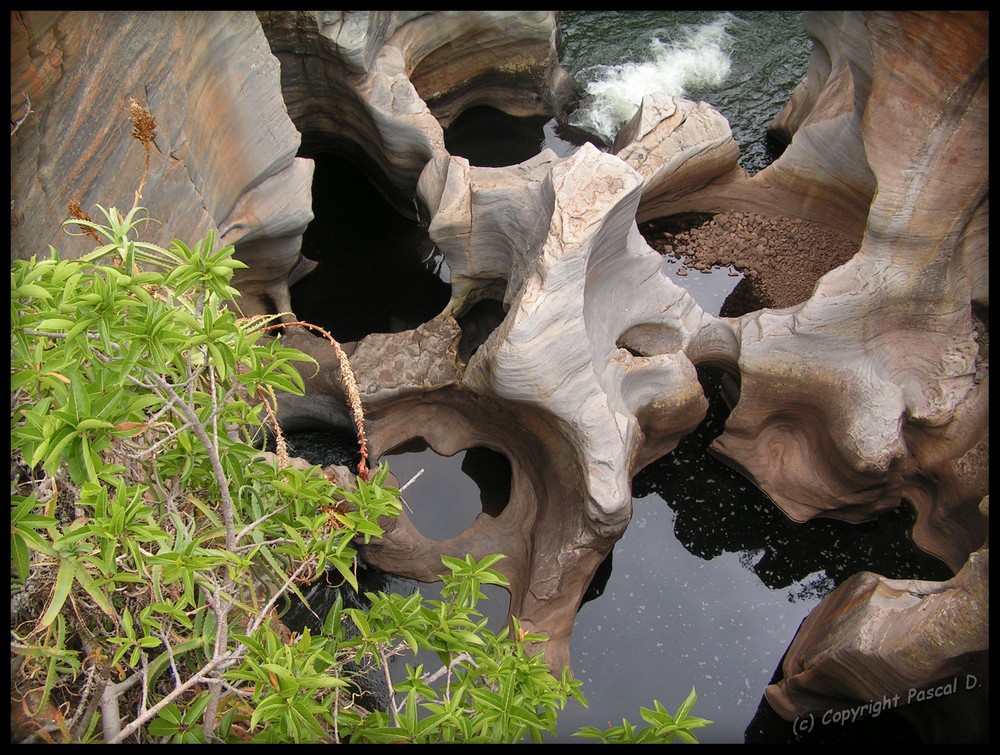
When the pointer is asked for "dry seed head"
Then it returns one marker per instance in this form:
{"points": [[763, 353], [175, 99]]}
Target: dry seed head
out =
{"points": [[354, 401], [143, 123], [143, 129], [77, 212]]}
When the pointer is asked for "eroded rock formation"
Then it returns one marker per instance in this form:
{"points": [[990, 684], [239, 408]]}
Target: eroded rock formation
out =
{"points": [[872, 390], [897, 641]]}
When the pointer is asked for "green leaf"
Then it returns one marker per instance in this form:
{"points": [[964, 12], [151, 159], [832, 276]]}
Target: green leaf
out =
{"points": [[19, 555], [64, 582], [345, 570], [93, 590], [30, 290], [687, 705], [269, 709], [167, 723], [55, 324]]}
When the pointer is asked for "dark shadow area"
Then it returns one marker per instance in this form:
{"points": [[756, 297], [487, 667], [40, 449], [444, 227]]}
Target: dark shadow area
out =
{"points": [[378, 272], [481, 319], [599, 581], [718, 511], [774, 146], [367, 683], [323, 447], [674, 224], [491, 472], [489, 138]]}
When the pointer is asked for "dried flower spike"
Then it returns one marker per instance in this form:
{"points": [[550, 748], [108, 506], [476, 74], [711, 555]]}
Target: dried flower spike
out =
{"points": [[143, 123], [77, 212], [143, 129]]}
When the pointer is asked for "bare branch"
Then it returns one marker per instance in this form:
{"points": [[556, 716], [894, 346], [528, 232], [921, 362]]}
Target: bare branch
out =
{"points": [[213, 456], [249, 528], [198, 678], [430, 679], [28, 111], [384, 662]]}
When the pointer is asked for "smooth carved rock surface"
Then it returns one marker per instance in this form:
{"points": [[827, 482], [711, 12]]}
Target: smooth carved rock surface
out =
{"points": [[902, 362], [872, 390], [868, 392], [878, 639], [380, 87]]}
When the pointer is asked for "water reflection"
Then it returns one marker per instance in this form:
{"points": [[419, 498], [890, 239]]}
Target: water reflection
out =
{"points": [[447, 494], [709, 585], [719, 511]]}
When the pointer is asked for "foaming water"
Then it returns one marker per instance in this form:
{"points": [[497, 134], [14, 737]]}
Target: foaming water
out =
{"points": [[692, 56], [746, 64]]}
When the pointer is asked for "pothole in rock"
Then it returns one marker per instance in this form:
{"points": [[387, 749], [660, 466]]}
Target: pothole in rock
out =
{"points": [[490, 138], [378, 272], [444, 495]]}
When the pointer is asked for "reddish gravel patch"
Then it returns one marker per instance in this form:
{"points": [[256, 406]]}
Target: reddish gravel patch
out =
{"points": [[783, 257]]}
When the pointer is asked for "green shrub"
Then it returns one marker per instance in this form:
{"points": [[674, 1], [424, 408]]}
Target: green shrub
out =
{"points": [[153, 544]]}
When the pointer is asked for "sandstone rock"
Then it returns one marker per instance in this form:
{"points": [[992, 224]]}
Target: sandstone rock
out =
{"points": [[382, 87], [214, 144], [897, 642], [897, 391]]}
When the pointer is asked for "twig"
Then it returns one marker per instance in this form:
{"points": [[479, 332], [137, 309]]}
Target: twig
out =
{"points": [[84, 713], [408, 483], [170, 657], [213, 456], [254, 523], [145, 684], [24, 117], [388, 681], [274, 599], [411, 480], [221, 608], [447, 669], [350, 387], [197, 678]]}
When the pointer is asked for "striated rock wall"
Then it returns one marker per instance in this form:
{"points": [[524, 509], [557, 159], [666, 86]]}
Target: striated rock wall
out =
{"points": [[872, 389], [223, 162]]}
